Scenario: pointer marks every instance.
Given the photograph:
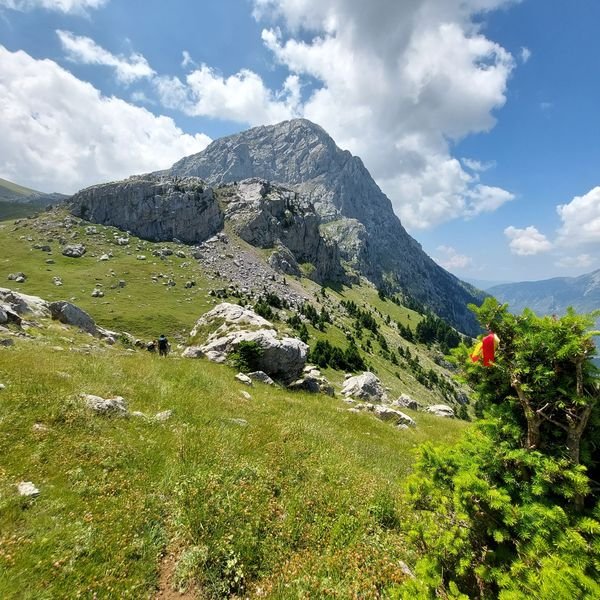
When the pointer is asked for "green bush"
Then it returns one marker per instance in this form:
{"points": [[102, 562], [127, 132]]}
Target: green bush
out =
{"points": [[247, 356], [508, 513], [324, 354]]}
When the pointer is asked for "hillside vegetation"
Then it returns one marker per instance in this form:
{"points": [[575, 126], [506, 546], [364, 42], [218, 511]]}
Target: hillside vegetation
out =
{"points": [[10, 191], [209, 488], [278, 495], [148, 297]]}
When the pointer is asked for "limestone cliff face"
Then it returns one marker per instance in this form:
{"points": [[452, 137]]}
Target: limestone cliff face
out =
{"points": [[153, 207], [354, 211], [270, 216], [162, 207]]}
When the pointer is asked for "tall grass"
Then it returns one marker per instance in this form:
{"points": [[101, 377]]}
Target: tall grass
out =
{"points": [[283, 495]]}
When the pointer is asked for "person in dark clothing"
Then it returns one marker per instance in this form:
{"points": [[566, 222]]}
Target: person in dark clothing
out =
{"points": [[163, 346], [151, 346]]}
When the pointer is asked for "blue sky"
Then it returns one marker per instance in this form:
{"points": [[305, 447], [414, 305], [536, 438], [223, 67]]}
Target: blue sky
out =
{"points": [[478, 118]]}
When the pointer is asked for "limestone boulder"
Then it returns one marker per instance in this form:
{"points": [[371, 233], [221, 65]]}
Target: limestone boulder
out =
{"points": [[365, 386], [23, 305], [405, 401], [261, 376], [27, 489], [69, 314], [282, 357], [243, 378], [441, 410], [74, 250], [116, 406], [385, 413], [312, 381], [192, 352], [219, 332], [226, 317]]}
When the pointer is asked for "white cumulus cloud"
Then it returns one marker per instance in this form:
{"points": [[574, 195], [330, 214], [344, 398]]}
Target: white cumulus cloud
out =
{"points": [[395, 81], [527, 242], [65, 6], [478, 166], [580, 219], [84, 50], [242, 97], [60, 134], [452, 259], [582, 261]]}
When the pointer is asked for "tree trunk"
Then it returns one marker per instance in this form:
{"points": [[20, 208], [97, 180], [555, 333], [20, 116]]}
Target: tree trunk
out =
{"points": [[533, 430], [534, 420], [573, 442]]}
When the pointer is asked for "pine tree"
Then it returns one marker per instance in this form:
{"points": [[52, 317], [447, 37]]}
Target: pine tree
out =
{"points": [[509, 513]]}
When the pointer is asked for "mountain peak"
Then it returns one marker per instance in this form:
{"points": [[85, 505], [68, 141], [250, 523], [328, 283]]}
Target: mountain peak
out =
{"points": [[354, 212]]}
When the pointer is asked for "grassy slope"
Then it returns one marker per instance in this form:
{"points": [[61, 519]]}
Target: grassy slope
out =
{"points": [[18, 210], [16, 188], [148, 308], [302, 501], [145, 307], [9, 190]]}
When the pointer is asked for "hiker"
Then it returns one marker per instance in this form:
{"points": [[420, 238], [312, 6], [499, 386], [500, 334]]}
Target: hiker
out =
{"points": [[163, 346], [151, 346]]}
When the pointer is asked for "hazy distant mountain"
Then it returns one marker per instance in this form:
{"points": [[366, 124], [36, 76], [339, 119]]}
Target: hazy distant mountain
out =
{"points": [[552, 296], [484, 284], [354, 212], [13, 192]]}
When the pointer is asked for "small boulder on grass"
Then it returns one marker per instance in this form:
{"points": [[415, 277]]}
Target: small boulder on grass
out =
{"points": [[441, 410], [27, 489], [243, 379], [106, 406], [74, 250], [163, 416], [261, 376]]}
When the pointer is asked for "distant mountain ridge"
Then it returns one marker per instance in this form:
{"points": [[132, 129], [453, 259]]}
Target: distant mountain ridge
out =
{"points": [[354, 211], [13, 192], [552, 296]]}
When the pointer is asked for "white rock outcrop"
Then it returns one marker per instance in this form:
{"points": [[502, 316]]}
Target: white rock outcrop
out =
{"points": [[385, 413], [441, 410], [282, 357], [106, 406], [365, 386], [23, 304]]}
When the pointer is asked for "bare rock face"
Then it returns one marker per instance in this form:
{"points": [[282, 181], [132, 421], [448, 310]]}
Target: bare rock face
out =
{"points": [[282, 357], [153, 207], [353, 209], [365, 386], [268, 216], [69, 314], [16, 304]]}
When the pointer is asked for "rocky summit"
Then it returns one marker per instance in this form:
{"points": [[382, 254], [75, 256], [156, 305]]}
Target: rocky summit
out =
{"points": [[354, 210]]}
